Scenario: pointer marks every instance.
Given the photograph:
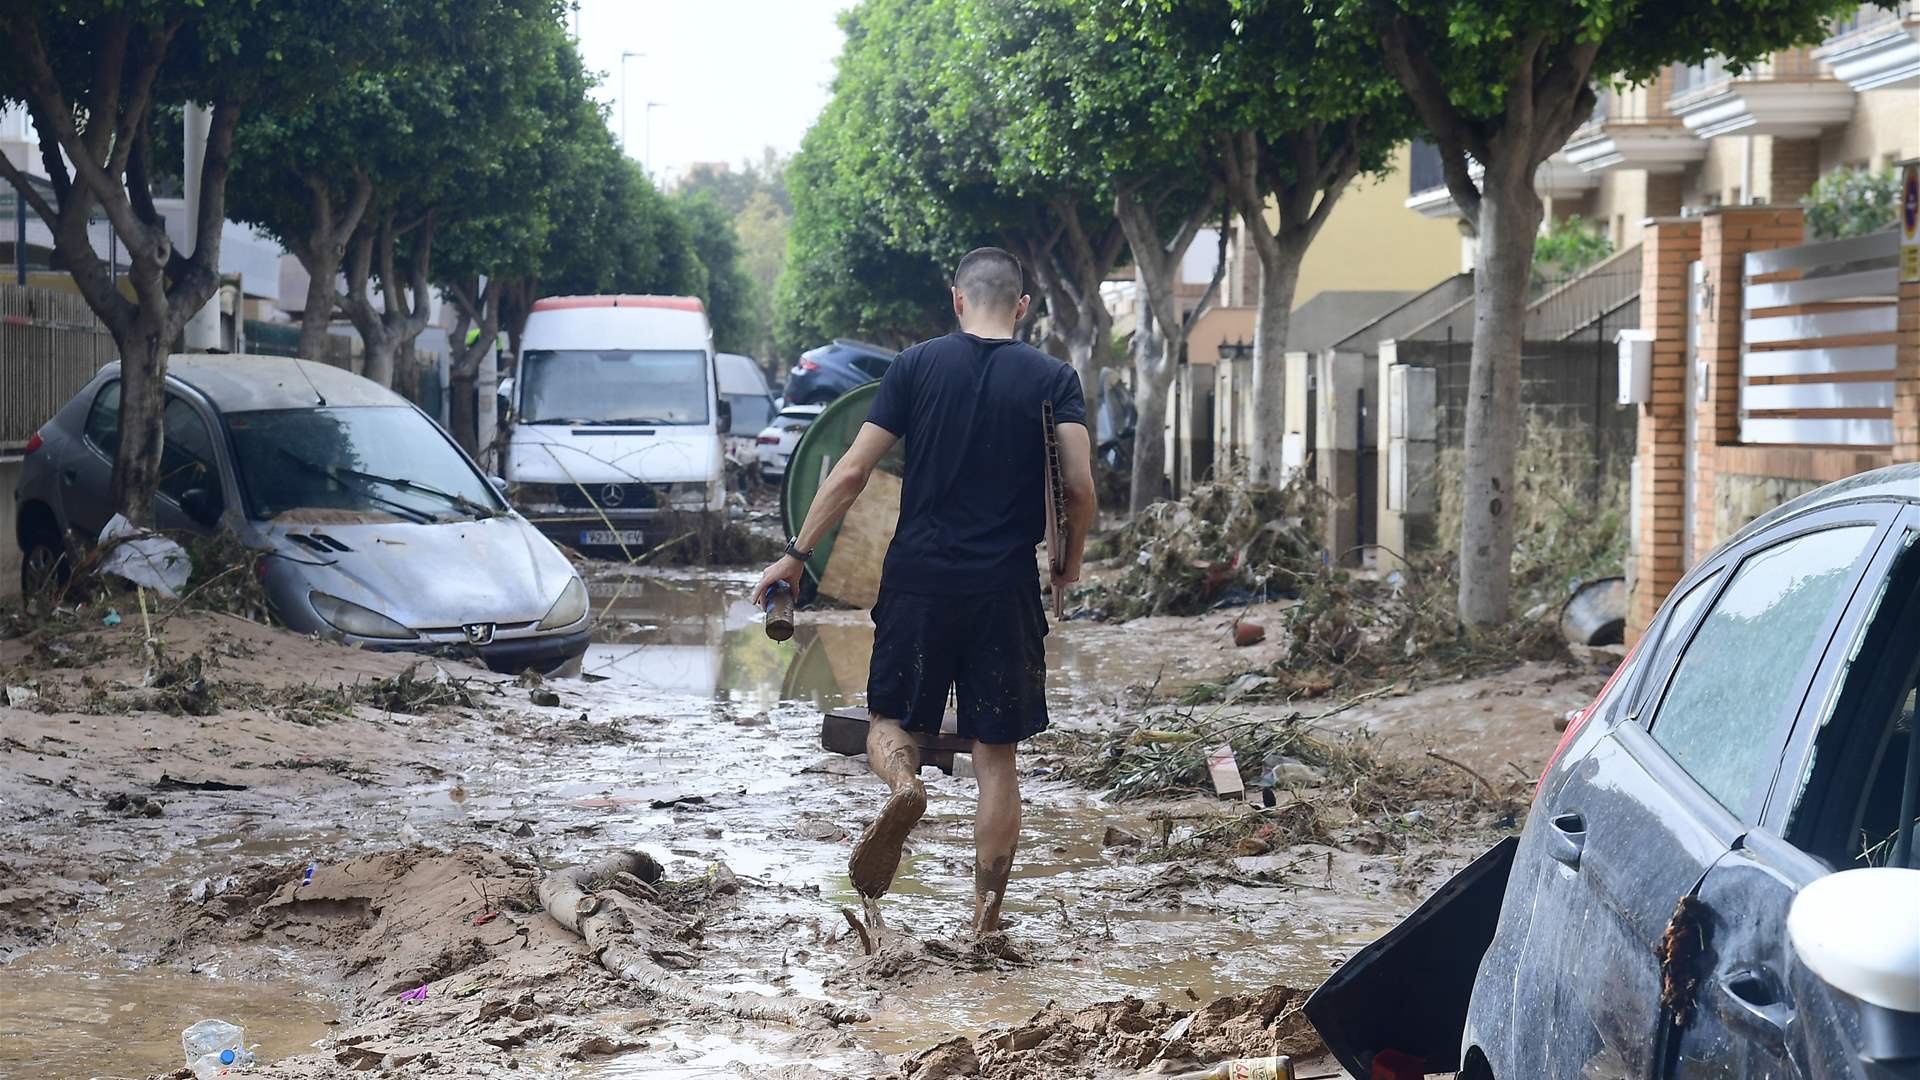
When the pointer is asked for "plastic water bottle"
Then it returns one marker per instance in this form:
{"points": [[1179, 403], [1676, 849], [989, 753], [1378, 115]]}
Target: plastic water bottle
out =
{"points": [[215, 1048]]}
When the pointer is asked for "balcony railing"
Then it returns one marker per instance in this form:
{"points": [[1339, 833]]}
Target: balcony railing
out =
{"points": [[1789, 64], [1869, 17]]}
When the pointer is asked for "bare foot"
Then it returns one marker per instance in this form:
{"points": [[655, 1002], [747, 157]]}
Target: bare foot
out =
{"points": [[989, 888], [876, 857]]}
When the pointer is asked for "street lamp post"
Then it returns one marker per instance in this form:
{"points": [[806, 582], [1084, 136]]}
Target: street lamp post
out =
{"points": [[624, 57]]}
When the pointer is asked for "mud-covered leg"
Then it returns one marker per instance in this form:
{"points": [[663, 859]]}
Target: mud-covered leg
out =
{"points": [[894, 757], [996, 831]]}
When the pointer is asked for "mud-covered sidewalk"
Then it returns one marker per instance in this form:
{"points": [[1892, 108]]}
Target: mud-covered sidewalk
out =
{"points": [[344, 851]]}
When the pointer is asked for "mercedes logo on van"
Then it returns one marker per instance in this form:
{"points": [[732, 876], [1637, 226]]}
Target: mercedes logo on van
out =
{"points": [[478, 633], [613, 495]]}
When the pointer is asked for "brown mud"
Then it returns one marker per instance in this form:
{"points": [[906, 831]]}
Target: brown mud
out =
{"points": [[158, 822]]}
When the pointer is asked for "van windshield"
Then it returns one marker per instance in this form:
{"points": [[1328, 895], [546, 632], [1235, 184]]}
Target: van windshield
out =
{"points": [[613, 386]]}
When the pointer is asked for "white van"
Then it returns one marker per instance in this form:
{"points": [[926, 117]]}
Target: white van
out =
{"points": [[615, 424]]}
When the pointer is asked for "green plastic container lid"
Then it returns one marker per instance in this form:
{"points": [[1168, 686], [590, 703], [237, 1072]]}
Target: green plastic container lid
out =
{"points": [[823, 444]]}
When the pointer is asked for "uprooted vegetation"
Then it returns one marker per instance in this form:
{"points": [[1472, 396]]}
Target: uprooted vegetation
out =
{"points": [[1315, 787], [1226, 545], [1129, 1034]]}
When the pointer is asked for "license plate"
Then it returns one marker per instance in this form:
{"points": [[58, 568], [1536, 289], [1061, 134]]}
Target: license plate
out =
{"points": [[612, 537]]}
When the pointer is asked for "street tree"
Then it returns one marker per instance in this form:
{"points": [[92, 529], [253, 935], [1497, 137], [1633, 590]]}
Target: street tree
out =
{"points": [[1284, 123], [728, 293], [846, 273], [1500, 85], [366, 178], [93, 75], [917, 80], [1080, 98], [761, 230]]}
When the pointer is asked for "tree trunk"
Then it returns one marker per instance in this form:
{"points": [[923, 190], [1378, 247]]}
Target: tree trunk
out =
{"points": [[1154, 357], [136, 463], [462, 420], [380, 349], [1279, 275], [1510, 213], [321, 267]]}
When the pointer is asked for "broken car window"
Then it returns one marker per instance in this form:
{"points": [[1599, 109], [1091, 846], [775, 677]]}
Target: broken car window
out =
{"points": [[1741, 673]]}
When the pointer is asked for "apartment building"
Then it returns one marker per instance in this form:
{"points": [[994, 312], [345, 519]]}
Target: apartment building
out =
{"points": [[1703, 136]]}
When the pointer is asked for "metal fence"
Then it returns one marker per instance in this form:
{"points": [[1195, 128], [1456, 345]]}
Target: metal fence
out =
{"points": [[1818, 343], [50, 345]]}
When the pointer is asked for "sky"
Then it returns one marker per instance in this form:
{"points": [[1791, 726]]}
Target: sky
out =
{"points": [[733, 76]]}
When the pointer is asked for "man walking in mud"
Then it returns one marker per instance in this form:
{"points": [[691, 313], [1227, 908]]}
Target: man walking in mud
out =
{"points": [[959, 597]]}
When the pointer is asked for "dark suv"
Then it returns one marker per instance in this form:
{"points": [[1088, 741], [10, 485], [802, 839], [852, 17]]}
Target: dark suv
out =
{"points": [[1718, 876], [825, 373]]}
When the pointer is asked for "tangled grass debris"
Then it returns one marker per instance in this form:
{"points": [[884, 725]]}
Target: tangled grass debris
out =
{"points": [[1223, 541]]}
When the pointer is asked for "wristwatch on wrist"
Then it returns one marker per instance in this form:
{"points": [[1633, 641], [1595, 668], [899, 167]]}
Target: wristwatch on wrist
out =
{"points": [[793, 549]]}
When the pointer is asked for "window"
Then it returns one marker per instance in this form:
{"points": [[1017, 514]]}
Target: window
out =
{"points": [[1744, 671], [1673, 633], [186, 456], [103, 420], [1846, 807], [614, 386], [356, 463], [873, 365]]}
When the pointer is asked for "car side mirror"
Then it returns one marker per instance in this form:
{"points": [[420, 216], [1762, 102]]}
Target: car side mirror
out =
{"points": [[1856, 931], [201, 505], [723, 411]]}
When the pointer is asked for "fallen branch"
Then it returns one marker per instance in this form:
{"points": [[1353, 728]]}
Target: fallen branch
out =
{"points": [[605, 903], [1438, 756]]}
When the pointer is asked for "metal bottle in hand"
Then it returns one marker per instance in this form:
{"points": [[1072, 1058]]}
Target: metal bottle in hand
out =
{"points": [[779, 601]]}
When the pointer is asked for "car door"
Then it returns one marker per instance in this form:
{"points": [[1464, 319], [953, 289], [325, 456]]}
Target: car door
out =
{"points": [[1832, 799], [189, 469], [86, 477], [1668, 792]]}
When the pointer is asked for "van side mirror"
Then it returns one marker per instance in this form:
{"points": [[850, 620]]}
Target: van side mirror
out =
{"points": [[1856, 931], [499, 484], [723, 411], [201, 505]]}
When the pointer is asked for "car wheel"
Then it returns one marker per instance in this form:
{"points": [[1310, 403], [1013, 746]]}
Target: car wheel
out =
{"points": [[1476, 1067], [44, 565]]}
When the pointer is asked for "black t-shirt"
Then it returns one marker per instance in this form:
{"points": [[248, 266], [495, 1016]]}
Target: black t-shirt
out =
{"points": [[973, 504]]}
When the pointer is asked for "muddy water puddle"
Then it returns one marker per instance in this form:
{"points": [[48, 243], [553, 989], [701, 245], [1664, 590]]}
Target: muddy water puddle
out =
{"points": [[72, 1014], [715, 758]]}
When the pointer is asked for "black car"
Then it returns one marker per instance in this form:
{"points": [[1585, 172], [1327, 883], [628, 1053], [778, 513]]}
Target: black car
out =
{"points": [[1717, 876], [825, 373]]}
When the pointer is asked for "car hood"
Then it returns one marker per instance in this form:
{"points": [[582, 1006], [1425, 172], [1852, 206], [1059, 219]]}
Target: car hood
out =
{"points": [[497, 569], [552, 454]]}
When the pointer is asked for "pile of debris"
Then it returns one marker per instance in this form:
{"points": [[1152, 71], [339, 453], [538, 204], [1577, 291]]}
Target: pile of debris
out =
{"points": [[1231, 543], [1128, 1034]]}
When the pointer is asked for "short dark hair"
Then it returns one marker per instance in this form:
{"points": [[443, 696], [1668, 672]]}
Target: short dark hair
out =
{"points": [[990, 277]]}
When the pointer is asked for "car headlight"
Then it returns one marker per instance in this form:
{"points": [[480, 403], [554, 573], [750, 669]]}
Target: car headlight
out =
{"points": [[350, 618], [569, 609], [688, 496]]}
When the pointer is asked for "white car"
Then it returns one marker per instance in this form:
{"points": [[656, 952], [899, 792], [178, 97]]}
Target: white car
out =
{"points": [[776, 441]]}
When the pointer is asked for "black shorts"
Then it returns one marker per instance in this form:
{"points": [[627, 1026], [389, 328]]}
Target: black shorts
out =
{"points": [[991, 645]]}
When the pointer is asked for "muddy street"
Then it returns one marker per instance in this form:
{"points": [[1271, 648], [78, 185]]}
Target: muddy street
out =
{"points": [[341, 850]]}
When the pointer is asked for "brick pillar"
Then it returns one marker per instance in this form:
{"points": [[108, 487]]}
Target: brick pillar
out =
{"points": [[1668, 248], [1726, 235], [1906, 376], [1796, 164]]}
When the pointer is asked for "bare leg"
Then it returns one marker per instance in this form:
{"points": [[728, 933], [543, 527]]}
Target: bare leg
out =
{"points": [[894, 757], [996, 831]]}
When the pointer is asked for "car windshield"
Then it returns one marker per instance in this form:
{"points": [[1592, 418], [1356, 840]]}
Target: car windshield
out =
{"points": [[750, 413], [372, 462], [613, 386]]}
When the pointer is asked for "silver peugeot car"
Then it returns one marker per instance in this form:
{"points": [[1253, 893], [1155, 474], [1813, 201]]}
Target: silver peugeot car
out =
{"points": [[377, 529]]}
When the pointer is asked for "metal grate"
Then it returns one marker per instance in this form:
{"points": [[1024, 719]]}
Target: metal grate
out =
{"points": [[50, 345]]}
